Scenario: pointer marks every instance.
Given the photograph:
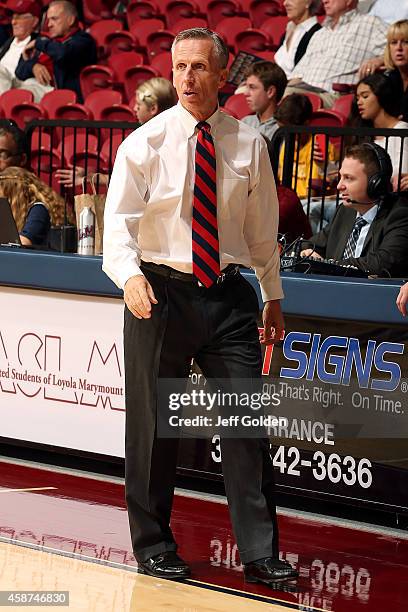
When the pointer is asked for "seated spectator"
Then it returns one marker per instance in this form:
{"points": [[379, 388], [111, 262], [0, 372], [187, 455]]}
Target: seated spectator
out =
{"points": [[152, 97], [264, 87], [13, 146], [292, 219], [336, 52], [389, 10], [308, 164], [55, 60], [24, 22], [34, 205], [300, 29], [375, 106], [396, 62], [370, 228]]}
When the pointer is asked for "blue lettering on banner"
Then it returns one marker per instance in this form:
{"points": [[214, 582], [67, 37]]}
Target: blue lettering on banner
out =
{"points": [[336, 359]]}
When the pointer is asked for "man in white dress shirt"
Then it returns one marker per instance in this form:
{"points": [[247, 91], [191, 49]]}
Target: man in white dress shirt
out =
{"points": [[24, 22], [154, 217]]}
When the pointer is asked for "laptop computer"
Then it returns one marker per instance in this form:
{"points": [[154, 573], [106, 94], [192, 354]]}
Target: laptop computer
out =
{"points": [[9, 235]]}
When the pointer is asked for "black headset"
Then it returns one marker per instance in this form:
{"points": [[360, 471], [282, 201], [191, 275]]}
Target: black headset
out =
{"points": [[379, 183]]}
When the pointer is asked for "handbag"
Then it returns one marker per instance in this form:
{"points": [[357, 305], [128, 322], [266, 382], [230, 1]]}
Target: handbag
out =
{"points": [[96, 202]]}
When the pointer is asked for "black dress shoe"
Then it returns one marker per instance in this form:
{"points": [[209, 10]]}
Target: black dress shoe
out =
{"points": [[269, 570], [165, 565]]}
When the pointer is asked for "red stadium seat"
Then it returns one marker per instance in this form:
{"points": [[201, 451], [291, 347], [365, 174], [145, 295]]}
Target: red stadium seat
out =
{"points": [[179, 9], [141, 29], [190, 22], [275, 27], [95, 78], [10, 98], [268, 56], [343, 104], [217, 10], [238, 106], [40, 140], [327, 118], [111, 145], [139, 9], [118, 112], [100, 29], [159, 42], [163, 64], [252, 41], [95, 10], [96, 102], [74, 144], [261, 10], [121, 62], [135, 76], [317, 103], [231, 26], [75, 111], [45, 161], [53, 100], [120, 42], [25, 112]]}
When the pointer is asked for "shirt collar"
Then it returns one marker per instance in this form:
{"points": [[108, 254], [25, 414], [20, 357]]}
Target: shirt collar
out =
{"points": [[189, 122], [344, 19], [370, 215]]}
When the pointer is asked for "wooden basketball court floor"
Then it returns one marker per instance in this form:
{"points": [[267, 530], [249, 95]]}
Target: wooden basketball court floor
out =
{"points": [[63, 531]]}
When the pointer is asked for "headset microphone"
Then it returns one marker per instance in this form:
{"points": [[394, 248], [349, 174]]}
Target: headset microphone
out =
{"points": [[357, 202]]}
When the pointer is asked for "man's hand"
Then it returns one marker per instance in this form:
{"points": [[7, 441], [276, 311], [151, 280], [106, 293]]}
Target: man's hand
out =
{"points": [[41, 74], [273, 323], [403, 182], [402, 300], [310, 253], [28, 50], [139, 296]]}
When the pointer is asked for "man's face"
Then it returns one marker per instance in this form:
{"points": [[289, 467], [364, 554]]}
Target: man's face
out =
{"points": [[23, 25], [197, 76], [59, 22], [8, 153], [336, 8], [353, 182], [257, 96]]}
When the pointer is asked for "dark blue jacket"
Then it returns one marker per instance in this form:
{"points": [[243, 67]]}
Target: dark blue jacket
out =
{"points": [[68, 58]]}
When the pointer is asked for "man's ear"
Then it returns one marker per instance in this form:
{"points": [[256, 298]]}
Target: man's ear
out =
{"points": [[271, 92], [154, 110], [223, 78]]}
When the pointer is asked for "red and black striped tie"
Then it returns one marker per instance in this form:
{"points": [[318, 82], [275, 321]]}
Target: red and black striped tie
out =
{"points": [[206, 257]]}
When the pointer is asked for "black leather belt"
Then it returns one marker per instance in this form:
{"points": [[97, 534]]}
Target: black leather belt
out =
{"points": [[228, 272]]}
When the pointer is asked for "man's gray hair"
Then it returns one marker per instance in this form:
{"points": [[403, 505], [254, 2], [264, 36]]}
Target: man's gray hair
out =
{"points": [[69, 8], [220, 48]]}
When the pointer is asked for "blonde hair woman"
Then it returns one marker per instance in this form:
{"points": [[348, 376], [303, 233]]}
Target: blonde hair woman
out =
{"points": [[396, 60], [34, 204], [153, 97]]}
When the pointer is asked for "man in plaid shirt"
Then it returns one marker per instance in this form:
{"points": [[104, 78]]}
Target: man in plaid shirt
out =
{"points": [[336, 52]]}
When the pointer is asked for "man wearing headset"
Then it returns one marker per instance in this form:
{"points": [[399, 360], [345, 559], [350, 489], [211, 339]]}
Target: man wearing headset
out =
{"points": [[370, 228]]}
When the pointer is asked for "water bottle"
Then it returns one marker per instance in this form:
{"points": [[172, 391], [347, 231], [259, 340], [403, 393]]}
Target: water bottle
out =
{"points": [[86, 232]]}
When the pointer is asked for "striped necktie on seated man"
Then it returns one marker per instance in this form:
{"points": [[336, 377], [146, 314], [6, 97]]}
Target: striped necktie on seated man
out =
{"points": [[205, 246], [350, 247]]}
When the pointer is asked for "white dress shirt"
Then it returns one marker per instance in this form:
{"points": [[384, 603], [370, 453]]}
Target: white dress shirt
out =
{"points": [[393, 147], [368, 217], [148, 209], [11, 58], [334, 55], [285, 57]]}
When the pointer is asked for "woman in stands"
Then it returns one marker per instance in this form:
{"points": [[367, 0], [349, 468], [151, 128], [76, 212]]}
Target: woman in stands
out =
{"points": [[375, 105], [152, 98], [35, 206], [396, 60], [300, 29]]}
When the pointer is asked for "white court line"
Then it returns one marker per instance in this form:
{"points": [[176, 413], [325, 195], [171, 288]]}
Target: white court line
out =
{"points": [[30, 489]]}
